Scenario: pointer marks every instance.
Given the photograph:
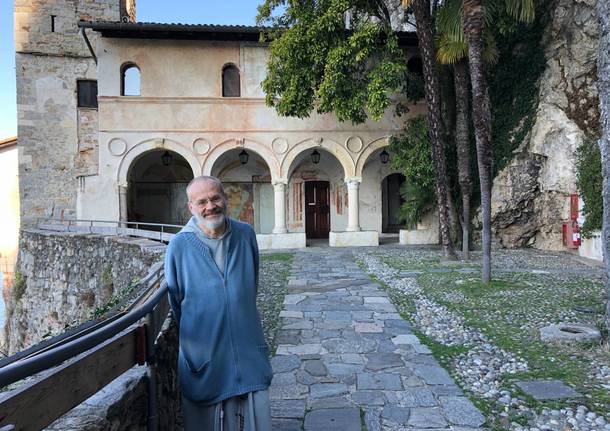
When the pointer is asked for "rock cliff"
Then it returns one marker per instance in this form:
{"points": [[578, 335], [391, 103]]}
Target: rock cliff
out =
{"points": [[530, 195]]}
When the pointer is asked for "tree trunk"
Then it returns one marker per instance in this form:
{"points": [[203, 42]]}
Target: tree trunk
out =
{"points": [[462, 140], [603, 86], [473, 30], [421, 10]]}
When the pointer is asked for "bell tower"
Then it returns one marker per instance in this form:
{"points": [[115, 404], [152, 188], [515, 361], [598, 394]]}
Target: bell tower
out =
{"points": [[57, 124]]}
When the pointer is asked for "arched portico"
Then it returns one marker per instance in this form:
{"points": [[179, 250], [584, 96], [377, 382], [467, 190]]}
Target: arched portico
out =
{"points": [[246, 178], [154, 144], [156, 191], [242, 144], [317, 198]]}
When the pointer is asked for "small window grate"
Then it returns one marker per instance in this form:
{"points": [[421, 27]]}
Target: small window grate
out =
{"points": [[230, 82]]}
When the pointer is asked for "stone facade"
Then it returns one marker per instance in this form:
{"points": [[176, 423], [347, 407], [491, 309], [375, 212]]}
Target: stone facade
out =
{"points": [[50, 57], [65, 277], [530, 195]]}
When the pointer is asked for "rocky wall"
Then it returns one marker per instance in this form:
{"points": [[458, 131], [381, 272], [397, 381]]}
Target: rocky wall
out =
{"points": [[530, 195], [63, 277]]}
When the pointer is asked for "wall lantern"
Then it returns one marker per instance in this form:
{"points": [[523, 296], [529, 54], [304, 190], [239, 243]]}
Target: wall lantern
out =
{"points": [[167, 158], [384, 156], [315, 157], [243, 157]]}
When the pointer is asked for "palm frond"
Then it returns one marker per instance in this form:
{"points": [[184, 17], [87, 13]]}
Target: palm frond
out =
{"points": [[451, 50], [521, 10]]}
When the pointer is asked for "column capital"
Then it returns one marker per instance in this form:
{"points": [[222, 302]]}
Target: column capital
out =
{"points": [[353, 182], [279, 183]]}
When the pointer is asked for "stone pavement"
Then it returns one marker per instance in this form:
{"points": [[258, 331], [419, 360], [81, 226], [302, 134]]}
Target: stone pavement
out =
{"points": [[347, 361]]}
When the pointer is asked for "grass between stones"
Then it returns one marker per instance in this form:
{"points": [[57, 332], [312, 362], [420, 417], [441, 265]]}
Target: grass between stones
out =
{"points": [[510, 313], [273, 285]]}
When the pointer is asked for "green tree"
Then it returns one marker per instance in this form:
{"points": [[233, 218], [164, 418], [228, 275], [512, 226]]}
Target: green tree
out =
{"points": [[473, 16], [452, 50], [318, 63]]}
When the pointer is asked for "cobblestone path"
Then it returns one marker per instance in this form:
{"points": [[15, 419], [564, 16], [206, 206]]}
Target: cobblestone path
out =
{"points": [[347, 361]]}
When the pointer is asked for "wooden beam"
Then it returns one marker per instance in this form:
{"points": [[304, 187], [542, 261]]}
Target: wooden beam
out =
{"points": [[35, 405]]}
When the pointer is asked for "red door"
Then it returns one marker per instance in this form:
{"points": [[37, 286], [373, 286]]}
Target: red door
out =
{"points": [[317, 209]]}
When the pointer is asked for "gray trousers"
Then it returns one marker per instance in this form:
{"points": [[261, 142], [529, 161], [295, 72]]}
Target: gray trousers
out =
{"points": [[248, 412]]}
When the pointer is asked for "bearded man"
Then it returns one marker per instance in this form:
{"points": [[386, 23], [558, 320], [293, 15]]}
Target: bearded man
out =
{"points": [[211, 268]]}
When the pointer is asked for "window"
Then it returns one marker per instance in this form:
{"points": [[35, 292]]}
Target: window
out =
{"points": [[87, 93], [230, 81], [415, 66], [130, 80], [53, 23]]}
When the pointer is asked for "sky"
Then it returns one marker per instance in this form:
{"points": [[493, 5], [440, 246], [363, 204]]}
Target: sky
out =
{"points": [[239, 12]]}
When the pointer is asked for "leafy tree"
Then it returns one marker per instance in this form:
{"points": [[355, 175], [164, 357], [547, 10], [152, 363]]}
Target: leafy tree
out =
{"points": [[317, 62], [603, 85]]}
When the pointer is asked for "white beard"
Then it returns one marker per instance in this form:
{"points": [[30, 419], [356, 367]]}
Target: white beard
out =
{"points": [[211, 224]]}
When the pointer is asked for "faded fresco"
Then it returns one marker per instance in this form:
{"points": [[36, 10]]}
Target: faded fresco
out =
{"points": [[240, 196]]}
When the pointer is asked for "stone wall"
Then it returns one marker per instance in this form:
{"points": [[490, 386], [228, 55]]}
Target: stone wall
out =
{"points": [[530, 195], [65, 276]]}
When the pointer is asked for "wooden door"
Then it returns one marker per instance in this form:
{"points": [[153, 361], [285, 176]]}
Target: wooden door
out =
{"points": [[317, 209]]}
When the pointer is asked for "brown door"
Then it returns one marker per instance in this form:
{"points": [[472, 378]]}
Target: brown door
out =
{"points": [[317, 209]]}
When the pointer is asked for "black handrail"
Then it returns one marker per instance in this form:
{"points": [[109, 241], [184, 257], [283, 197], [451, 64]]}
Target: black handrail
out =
{"points": [[29, 366]]}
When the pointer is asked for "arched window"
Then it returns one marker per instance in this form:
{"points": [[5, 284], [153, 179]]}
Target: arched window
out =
{"points": [[230, 81], [130, 80]]}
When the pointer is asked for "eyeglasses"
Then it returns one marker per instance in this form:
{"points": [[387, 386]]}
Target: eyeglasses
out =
{"points": [[202, 203]]}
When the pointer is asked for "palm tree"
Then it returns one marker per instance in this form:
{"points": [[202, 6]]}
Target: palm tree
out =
{"points": [[421, 11], [603, 85], [473, 19], [452, 50]]}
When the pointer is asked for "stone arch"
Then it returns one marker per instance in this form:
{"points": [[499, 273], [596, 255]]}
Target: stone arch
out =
{"points": [[370, 149], [151, 145], [334, 148], [232, 144]]}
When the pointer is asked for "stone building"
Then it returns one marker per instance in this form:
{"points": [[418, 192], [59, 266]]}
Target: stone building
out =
{"points": [[132, 111], [9, 214]]}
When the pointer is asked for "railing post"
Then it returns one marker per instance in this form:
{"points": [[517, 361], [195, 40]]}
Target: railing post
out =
{"points": [[152, 422]]}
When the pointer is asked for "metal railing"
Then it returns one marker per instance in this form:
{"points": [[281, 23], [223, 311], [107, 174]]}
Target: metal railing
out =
{"points": [[155, 231], [80, 365]]}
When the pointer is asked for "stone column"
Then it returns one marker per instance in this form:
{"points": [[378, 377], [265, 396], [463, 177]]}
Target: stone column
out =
{"points": [[353, 209], [123, 203], [279, 188]]}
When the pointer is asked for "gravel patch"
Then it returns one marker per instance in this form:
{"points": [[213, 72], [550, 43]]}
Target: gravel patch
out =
{"points": [[483, 368]]}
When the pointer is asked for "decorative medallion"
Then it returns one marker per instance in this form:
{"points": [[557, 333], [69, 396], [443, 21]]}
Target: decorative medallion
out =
{"points": [[117, 146], [354, 144], [280, 145], [201, 146]]}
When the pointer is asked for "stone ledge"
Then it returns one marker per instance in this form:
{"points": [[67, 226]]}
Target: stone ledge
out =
{"points": [[418, 236], [353, 239], [281, 240]]}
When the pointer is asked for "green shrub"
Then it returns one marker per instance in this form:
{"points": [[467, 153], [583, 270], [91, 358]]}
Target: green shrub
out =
{"points": [[412, 155], [589, 181]]}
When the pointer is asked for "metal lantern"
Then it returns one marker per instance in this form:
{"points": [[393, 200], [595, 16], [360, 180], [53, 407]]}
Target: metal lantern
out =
{"points": [[384, 156], [243, 157], [167, 158], [315, 157]]}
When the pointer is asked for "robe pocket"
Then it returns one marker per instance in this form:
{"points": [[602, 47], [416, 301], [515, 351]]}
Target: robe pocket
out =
{"points": [[195, 365]]}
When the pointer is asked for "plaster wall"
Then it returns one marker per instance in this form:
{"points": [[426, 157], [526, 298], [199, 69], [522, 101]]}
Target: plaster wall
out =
{"points": [[370, 192], [181, 110], [9, 213]]}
